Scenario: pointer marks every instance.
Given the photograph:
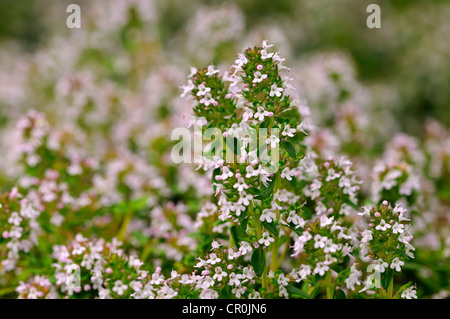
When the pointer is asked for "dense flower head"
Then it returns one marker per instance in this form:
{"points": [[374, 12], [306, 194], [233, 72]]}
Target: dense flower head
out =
{"points": [[387, 236], [326, 248], [332, 186], [19, 229]]}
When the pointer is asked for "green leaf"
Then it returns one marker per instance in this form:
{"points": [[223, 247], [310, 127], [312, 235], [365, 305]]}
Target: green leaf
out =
{"points": [[297, 230], [234, 234], [271, 227], [340, 294], [386, 279], [243, 221], [298, 292], [258, 260], [267, 191], [289, 148]]}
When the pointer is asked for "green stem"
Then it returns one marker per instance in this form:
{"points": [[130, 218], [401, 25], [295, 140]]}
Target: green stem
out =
{"points": [[273, 262], [390, 291], [286, 248], [259, 235], [231, 241], [329, 283], [125, 223]]}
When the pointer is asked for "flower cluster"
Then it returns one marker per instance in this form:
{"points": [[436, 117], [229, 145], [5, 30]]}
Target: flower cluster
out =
{"points": [[19, 229], [331, 186], [387, 241]]}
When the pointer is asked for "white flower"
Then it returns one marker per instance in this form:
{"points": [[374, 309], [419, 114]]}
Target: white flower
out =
{"points": [[319, 241], [215, 245], [353, 278], [220, 274], [288, 131], [345, 209], [232, 254], [265, 55], [315, 185], [320, 269], [283, 280], [245, 248], [213, 259], [240, 185], [325, 221], [248, 114], [226, 172], [265, 45], [260, 113], [304, 126], [365, 212], [321, 208], [211, 70], [383, 225], [209, 294], [193, 71], [275, 90], [398, 228], [15, 219], [202, 90], [238, 291], [119, 288], [332, 175], [366, 237], [234, 280], [398, 209], [273, 141], [295, 219], [397, 264], [254, 295], [305, 270], [330, 247], [410, 293], [187, 88], [300, 242], [267, 215], [380, 266], [287, 173], [245, 199], [266, 239], [259, 77], [241, 61], [207, 99]]}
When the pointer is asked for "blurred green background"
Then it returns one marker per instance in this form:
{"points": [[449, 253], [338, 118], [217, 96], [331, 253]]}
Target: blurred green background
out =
{"points": [[411, 51]]}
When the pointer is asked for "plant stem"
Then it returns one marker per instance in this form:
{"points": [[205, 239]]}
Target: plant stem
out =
{"points": [[330, 288], [390, 291], [286, 248], [125, 223], [259, 235], [231, 241], [273, 262]]}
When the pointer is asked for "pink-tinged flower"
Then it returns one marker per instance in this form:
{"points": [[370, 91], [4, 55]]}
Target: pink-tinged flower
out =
{"points": [[259, 77], [275, 90]]}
